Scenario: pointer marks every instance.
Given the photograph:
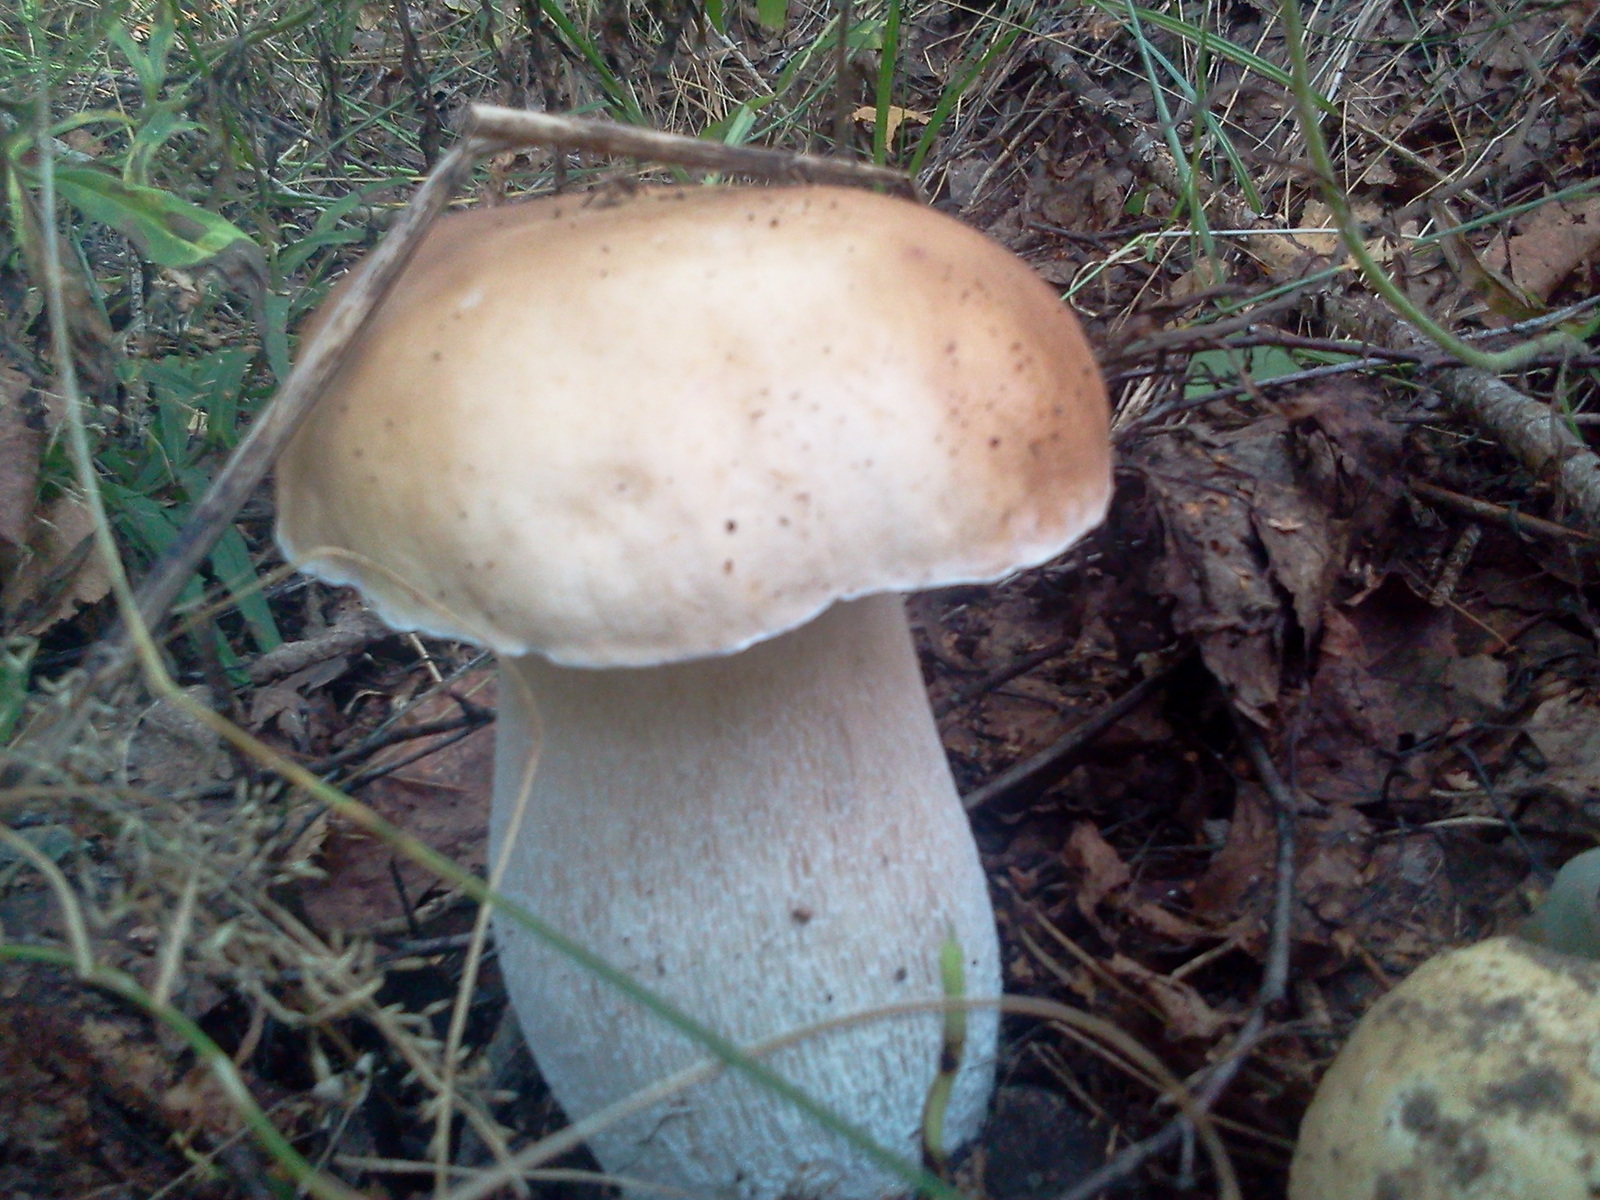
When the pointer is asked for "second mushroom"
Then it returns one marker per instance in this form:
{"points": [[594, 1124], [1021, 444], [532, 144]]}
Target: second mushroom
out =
{"points": [[674, 457]]}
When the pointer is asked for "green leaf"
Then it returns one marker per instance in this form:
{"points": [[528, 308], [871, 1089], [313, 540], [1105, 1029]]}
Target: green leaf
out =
{"points": [[1212, 369], [773, 14], [716, 15], [231, 562], [168, 230], [16, 667]]}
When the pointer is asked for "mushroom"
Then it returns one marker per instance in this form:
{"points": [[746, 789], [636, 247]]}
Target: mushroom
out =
{"points": [[1569, 918], [1477, 1077], [673, 458]]}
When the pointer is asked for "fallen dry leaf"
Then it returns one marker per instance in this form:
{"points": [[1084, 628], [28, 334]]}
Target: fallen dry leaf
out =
{"points": [[443, 799], [893, 119], [21, 442], [1184, 1011], [169, 751], [1565, 730], [1239, 876], [1388, 675], [1245, 522], [1102, 867], [58, 571], [1550, 243]]}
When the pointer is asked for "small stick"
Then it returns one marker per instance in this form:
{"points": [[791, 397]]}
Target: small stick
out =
{"points": [[515, 126], [1075, 739], [964, 696], [1515, 521]]}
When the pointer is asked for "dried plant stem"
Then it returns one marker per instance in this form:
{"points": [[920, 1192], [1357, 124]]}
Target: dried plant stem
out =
{"points": [[1101, 1033], [521, 127]]}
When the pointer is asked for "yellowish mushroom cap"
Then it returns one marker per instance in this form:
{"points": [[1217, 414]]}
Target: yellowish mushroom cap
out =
{"points": [[1478, 1078], [626, 432]]}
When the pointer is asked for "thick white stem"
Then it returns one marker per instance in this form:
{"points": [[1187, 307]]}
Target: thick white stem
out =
{"points": [[768, 840]]}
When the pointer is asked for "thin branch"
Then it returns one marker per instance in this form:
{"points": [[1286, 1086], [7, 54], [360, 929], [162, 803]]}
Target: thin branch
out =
{"points": [[1513, 520], [1074, 740], [512, 126]]}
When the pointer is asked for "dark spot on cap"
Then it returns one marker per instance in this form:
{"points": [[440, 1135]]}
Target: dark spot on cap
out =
{"points": [[727, 566], [731, 525], [801, 915], [1538, 1089]]}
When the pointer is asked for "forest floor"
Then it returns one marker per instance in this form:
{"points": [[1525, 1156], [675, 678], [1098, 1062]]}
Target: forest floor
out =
{"points": [[1341, 606]]}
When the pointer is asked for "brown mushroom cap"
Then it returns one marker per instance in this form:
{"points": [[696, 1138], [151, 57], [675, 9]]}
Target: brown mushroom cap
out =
{"points": [[1478, 1078], [622, 433]]}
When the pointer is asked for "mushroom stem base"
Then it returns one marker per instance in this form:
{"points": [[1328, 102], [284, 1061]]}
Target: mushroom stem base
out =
{"points": [[767, 840]]}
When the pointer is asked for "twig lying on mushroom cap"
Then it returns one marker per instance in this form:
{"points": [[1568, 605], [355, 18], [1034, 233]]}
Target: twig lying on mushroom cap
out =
{"points": [[488, 128]]}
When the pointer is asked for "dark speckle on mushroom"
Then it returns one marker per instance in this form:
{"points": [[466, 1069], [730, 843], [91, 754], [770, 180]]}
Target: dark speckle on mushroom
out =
{"points": [[731, 526]]}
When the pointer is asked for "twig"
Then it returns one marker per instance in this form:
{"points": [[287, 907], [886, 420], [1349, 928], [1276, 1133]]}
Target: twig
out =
{"points": [[520, 127], [1528, 429], [1070, 743], [357, 629], [1276, 979], [969, 692], [1513, 520]]}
